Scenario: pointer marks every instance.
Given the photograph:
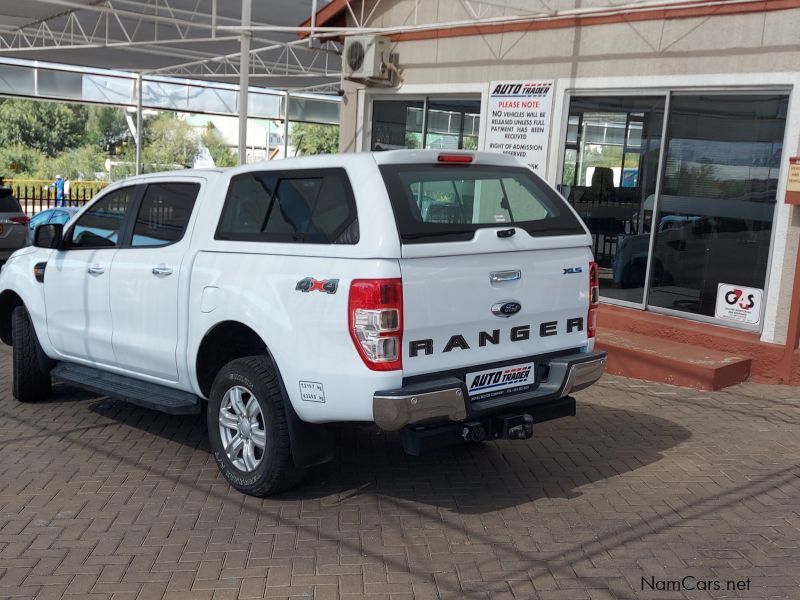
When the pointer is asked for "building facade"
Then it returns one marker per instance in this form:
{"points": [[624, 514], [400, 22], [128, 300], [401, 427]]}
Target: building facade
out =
{"points": [[669, 127]]}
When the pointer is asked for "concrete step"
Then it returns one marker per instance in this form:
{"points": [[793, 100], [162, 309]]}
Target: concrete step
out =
{"points": [[656, 359]]}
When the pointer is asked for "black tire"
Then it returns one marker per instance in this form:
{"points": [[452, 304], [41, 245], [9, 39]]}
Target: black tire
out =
{"points": [[276, 471], [31, 365]]}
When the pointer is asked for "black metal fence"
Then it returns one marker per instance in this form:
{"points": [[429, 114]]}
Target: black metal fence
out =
{"points": [[35, 196]]}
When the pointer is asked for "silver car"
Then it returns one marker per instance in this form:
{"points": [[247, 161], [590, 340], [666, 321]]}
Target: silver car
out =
{"points": [[60, 214], [13, 224]]}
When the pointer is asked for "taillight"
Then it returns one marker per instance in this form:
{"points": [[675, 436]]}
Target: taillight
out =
{"points": [[594, 300], [375, 313], [20, 220]]}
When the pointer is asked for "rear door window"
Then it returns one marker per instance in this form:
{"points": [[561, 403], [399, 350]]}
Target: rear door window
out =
{"points": [[312, 206], [434, 203], [164, 213]]}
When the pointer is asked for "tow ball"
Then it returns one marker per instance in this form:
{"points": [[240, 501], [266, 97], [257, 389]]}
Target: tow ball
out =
{"points": [[501, 427]]}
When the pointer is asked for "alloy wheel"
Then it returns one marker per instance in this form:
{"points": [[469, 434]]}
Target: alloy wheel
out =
{"points": [[241, 428]]}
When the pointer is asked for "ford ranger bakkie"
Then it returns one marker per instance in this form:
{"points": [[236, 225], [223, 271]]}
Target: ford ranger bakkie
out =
{"points": [[449, 296]]}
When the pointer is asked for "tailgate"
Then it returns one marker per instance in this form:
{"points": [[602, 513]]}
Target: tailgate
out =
{"points": [[484, 308], [494, 263]]}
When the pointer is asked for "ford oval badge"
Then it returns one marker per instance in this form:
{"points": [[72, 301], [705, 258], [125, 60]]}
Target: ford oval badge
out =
{"points": [[506, 308]]}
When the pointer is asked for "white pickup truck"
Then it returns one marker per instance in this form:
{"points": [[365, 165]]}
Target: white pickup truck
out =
{"points": [[450, 296]]}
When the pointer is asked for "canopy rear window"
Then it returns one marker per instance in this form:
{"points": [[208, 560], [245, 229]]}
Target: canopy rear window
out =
{"points": [[439, 203]]}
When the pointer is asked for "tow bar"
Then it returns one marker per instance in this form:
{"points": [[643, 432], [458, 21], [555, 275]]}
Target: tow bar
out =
{"points": [[502, 427], [506, 426]]}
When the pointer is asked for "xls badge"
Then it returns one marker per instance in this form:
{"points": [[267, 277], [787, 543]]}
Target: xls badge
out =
{"points": [[309, 284]]}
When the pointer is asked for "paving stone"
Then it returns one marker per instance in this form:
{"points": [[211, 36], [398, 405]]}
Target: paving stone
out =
{"points": [[101, 499]]}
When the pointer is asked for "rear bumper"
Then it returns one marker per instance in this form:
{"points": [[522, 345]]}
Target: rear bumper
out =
{"points": [[445, 400]]}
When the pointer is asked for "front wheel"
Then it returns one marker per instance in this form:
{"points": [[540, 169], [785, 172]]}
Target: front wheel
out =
{"points": [[248, 430], [31, 365]]}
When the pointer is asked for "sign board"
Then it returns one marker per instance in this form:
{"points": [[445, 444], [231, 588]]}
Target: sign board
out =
{"points": [[793, 181], [738, 303], [519, 120]]}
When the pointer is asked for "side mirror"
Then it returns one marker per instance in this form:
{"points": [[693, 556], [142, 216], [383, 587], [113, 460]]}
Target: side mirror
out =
{"points": [[48, 236]]}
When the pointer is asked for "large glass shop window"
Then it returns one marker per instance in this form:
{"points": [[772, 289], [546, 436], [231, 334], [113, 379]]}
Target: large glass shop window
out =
{"points": [[610, 170], [447, 124], [714, 221]]}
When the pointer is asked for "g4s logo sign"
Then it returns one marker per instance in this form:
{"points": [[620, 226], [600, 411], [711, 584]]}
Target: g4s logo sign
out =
{"points": [[738, 303], [737, 297]]}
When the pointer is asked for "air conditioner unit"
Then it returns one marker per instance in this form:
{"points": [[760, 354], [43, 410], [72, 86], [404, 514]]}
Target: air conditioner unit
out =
{"points": [[364, 57]]}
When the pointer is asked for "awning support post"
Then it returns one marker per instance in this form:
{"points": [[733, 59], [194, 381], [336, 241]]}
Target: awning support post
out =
{"points": [[244, 78], [139, 136], [286, 126]]}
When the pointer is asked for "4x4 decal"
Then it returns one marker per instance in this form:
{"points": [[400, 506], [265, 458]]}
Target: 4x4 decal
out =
{"points": [[309, 284]]}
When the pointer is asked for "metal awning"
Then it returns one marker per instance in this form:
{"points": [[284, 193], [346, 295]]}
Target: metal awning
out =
{"points": [[210, 40], [183, 38]]}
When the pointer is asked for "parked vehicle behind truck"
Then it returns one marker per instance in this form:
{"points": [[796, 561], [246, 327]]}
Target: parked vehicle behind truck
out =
{"points": [[448, 296]]}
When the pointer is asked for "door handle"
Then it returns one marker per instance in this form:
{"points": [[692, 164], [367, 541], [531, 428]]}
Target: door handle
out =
{"points": [[162, 271], [500, 276], [96, 270]]}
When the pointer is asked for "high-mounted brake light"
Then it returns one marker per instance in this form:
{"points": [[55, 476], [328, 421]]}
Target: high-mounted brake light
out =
{"points": [[594, 300], [375, 314], [460, 159]]}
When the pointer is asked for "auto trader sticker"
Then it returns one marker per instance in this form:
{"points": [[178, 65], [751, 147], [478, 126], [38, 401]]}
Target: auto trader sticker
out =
{"points": [[495, 382], [738, 303]]}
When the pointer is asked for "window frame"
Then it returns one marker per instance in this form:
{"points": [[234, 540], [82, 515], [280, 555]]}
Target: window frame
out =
{"points": [[281, 175]]}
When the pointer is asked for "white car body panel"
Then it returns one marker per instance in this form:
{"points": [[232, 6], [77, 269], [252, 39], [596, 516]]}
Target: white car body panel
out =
{"points": [[320, 350], [79, 306], [149, 309], [544, 292]]}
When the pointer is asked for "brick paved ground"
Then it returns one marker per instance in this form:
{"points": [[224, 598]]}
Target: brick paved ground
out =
{"points": [[99, 499]]}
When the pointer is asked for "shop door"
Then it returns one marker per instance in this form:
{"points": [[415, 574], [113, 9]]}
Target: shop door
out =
{"points": [[714, 217], [611, 164]]}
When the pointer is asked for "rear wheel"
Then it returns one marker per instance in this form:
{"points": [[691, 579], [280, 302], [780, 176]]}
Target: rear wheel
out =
{"points": [[31, 365], [248, 430]]}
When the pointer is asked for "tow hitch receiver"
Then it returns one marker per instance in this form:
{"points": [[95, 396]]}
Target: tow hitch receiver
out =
{"points": [[506, 426], [501, 427], [513, 427]]}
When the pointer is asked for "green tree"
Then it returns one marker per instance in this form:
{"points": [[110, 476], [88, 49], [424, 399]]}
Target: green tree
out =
{"points": [[106, 127], [18, 160], [76, 163], [47, 126], [221, 154], [169, 142], [310, 138]]}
